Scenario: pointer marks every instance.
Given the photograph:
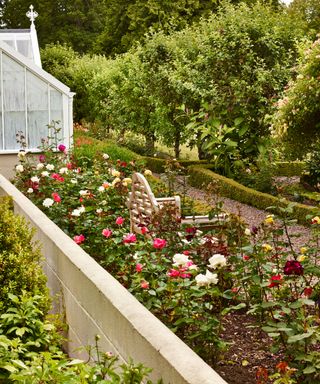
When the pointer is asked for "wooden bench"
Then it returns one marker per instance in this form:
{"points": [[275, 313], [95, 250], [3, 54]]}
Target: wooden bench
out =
{"points": [[143, 205]]}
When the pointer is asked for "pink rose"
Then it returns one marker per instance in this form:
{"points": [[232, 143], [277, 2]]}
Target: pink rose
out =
{"points": [[56, 197], [144, 284], [144, 230], [129, 238], [173, 273], [62, 147], [139, 267], [119, 220], [79, 239], [106, 232], [159, 243]]}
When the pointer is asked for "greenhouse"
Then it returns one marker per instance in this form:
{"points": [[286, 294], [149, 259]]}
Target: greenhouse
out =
{"points": [[30, 98]]}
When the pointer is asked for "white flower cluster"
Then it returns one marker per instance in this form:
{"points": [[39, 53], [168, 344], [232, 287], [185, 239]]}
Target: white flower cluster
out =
{"points": [[207, 279], [216, 261], [77, 212], [47, 202]]}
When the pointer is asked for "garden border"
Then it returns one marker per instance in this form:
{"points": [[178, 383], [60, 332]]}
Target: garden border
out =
{"points": [[200, 176], [96, 303]]}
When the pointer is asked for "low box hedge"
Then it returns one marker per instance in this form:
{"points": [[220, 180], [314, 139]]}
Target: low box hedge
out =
{"points": [[157, 165], [198, 177], [289, 168]]}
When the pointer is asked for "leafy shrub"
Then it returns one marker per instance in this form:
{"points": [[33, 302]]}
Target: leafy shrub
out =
{"points": [[20, 259], [30, 351], [236, 61], [86, 149], [297, 119]]}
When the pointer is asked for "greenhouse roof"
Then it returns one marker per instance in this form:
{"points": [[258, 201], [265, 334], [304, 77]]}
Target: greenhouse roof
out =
{"points": [[24, 41]]}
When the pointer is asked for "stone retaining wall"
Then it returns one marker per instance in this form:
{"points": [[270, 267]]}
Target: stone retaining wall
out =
{"points": [[95, 303]]}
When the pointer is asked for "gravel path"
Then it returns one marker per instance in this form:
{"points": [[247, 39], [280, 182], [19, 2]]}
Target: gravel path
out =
{"points": [[252, 216]]}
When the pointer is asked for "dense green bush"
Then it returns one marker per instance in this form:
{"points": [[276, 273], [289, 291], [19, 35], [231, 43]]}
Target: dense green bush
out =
{"points": [[200, 177], [238, 61], [75, 71], [297, 118], [20, 259]]}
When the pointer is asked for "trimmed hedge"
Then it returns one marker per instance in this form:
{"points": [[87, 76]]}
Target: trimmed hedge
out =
{"points": [[229, 188], [289, 168], [157, 165]]}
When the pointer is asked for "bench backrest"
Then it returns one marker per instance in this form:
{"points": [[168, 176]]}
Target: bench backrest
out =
{"points": [[142, 203]]}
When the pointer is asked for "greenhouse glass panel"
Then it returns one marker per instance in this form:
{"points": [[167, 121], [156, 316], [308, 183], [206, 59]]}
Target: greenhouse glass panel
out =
{"points": [[13, 101], [56, 109], [37, 107]]}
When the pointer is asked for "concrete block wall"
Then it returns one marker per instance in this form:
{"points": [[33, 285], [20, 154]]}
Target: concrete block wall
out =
{"points": [[95, 303]]}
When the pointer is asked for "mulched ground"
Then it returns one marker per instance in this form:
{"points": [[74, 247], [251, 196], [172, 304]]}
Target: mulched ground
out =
{"points": [[249, 352]]}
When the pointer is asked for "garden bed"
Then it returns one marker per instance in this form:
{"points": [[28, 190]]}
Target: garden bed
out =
{"points": [[191, 281]]}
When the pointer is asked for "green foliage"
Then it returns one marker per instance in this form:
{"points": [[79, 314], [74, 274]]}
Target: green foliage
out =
{"points": [[20, 258], [73, 22], [87, 149], [309, 11], [312, 169], [297, 118], [30, 352], [128, 22], [158, 165], [75, 71], [232, 189], [289, 168], [236, 61]]}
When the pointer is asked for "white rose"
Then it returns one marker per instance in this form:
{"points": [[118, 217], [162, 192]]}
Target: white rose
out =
{"points": [[63, 171], [212, 277], [73, 181], [35, 179], [40, 166], [83, 192], [47, 202], [201, 280], [105, 156], [22, 155], [247, 232], [99, 210], [45, 174], [217, 261], [30, 190], [19, 168], [50, 167], [180, 259], [76, 213], [101, 188]]}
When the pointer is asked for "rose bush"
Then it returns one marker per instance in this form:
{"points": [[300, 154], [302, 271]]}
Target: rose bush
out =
{"points": [[188, 278]]}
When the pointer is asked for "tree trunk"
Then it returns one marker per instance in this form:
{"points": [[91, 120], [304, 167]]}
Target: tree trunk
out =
{"points": [[177, 144], [150, 143]]}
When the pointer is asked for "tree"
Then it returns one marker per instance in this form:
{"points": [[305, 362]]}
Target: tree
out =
{"points": [[74, 22], [296, 121], [309, 11], [129, 21]]}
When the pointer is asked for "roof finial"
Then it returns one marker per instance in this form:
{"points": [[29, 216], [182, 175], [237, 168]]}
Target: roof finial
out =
{"points": [[31, 14]]}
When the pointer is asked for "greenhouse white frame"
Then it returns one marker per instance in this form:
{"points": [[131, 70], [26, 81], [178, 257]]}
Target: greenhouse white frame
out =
{"points": [[30, 100]]}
